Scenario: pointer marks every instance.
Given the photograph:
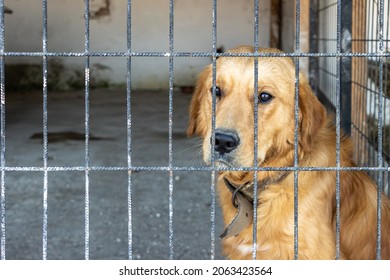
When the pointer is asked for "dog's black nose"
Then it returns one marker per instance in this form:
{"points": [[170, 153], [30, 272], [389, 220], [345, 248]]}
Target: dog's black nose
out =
{"points": [[225, 142]]}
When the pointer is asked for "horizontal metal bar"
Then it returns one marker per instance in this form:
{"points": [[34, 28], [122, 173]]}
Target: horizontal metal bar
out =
{"points": [[368, 40], [191, 168], [189, 54]]}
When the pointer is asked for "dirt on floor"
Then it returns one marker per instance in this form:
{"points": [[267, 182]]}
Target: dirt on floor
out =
{"points": [[108, 189]]}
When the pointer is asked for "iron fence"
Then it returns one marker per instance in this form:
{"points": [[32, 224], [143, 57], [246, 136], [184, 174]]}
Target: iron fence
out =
{"points": [[336, 80], [363, 80]]}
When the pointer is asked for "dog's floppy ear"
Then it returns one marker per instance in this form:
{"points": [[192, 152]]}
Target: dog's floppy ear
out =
{"points": [[195, 126], [312, 115]]}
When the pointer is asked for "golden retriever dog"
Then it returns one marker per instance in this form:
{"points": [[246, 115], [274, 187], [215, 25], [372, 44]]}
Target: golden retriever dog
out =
{"points": [[234, 148]]}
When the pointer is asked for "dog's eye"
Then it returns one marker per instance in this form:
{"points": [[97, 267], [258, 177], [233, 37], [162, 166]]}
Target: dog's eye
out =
{"points": [[265, 97], [218, 92]]}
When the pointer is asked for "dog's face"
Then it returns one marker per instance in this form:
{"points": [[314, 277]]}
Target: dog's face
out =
{"points": [[234, 110]]}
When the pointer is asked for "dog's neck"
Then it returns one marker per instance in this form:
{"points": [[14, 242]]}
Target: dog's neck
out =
{"points": [[247, 188], [242, 186], [243, 197]]}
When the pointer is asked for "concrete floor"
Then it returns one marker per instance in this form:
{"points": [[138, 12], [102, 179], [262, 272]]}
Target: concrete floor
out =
{"points": [[108, 189]]}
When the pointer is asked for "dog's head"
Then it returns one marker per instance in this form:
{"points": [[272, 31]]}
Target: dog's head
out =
{"points": [[234, 109]]}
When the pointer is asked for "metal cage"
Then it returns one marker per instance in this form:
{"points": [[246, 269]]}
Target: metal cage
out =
{"points": [[349, 70]]}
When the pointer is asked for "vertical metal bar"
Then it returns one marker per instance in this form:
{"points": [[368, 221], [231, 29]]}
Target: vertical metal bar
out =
{"points": [[338, 127], [255, 125], [212, 213], [213, 121], [2, 136], [171, 50], [296, 124], [380, 130], [45, 129], [87, 79], [129, 142], [313, 62]]}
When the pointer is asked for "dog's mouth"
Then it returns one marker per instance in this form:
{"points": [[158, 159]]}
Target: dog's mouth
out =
{"points": [[228, 162], [223, 163], [231, 160]]}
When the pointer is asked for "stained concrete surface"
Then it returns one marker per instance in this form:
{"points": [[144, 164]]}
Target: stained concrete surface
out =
{"points": [[108, 190]]}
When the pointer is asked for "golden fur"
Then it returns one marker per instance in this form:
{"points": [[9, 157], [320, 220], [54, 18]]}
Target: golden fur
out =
{"points": [[317, 148]]}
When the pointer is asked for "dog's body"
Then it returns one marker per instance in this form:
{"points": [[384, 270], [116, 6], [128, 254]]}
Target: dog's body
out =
{"points": [[234, 147]]}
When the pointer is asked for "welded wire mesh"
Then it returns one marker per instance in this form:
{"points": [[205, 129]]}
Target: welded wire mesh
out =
{"points": [[367, 106], [371, 118], [2, 123], [373, 87]]}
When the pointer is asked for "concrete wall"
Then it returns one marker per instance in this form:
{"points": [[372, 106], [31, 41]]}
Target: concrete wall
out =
{"points": [[150, 32]]}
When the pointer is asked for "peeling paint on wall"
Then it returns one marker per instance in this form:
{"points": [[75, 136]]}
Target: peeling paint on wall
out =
{"points": [[99, 8], [108, 33]]}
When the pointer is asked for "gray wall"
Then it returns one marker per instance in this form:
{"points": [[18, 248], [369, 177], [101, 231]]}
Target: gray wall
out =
{"points": [[150, 32]]}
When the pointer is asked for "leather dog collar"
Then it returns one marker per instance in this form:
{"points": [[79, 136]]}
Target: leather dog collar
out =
{"points": [[242, 199]]}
